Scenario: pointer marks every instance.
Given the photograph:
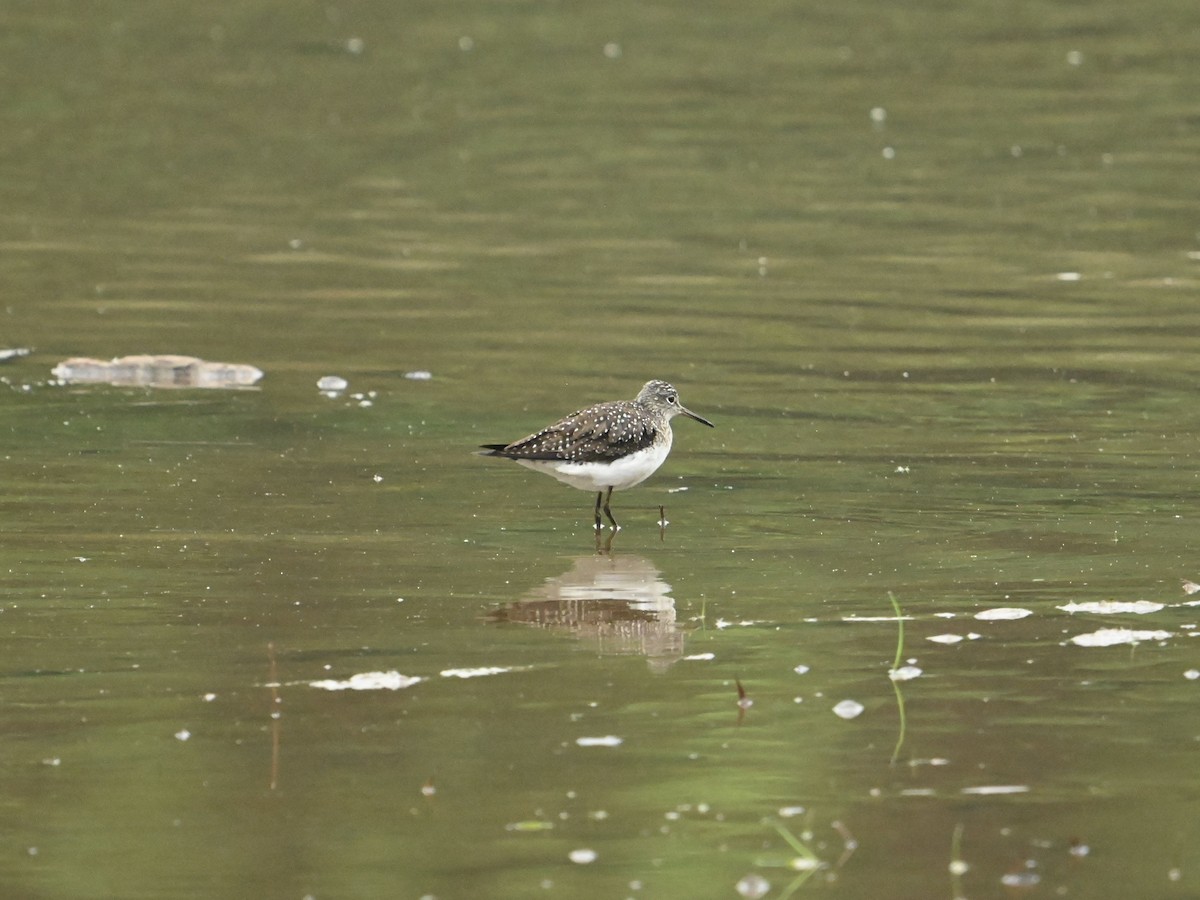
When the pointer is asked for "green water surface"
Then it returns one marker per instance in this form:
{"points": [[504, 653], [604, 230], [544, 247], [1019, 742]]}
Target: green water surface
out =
{"points": [[931, 270]]}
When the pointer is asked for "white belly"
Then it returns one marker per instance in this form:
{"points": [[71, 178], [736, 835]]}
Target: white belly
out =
{"points": [[618, 475]]}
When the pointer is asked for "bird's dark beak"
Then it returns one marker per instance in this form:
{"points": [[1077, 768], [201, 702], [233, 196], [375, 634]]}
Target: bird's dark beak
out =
{"points": [[691, 415]]}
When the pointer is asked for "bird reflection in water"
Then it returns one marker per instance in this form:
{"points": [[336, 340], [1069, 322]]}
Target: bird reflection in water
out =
{"points": [[619, 604]]}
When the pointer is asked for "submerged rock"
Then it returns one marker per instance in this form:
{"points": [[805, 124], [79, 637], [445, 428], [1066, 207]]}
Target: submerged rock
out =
{"points": [[166, 370]]}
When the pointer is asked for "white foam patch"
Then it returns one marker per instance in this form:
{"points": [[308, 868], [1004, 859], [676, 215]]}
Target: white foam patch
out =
{"points": [[1113, 607], [1003, 613], [480, 671], [1111, 637], [369, 681]]}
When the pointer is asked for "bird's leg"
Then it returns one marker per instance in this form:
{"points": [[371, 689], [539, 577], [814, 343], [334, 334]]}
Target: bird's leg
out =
{"points": [[608, 512], [599, 494]]}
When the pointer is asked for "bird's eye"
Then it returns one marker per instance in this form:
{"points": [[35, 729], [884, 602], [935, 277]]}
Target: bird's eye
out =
{"points": [[671, 398]]}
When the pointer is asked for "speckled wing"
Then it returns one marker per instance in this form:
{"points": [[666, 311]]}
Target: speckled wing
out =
{"points": [[599, 433]]}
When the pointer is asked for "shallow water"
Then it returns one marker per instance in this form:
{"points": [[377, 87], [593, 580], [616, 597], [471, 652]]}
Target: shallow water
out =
{"points": [[930, 271]]}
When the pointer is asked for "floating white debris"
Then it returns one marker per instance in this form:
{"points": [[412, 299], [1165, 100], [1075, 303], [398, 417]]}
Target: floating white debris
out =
{"points": [[480, 671], [608, 740], [1113, 607], [853, 618], [1069, 276], [182, 735], [1192, 674], [419, 375], [1109, 637], [1025, 879], [582, 856], [787, 812], [332, 384], [987, 790], [676, 490], [945, 638], [13, 353], [1003, 613], [1190, 587], [753, 886], [801, 669], [848, 709], [699, 657], [905, 673], [369, 681], [157, 371]]}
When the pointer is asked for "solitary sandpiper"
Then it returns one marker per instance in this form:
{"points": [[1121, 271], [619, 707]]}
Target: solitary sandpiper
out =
{"points": [[607, 447]]}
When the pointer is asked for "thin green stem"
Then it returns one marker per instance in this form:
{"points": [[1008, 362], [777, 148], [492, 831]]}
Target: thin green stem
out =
{"points": [[892, 674]]}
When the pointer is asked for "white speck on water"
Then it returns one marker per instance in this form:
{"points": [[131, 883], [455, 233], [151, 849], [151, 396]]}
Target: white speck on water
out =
{"points": [[801, 669], [1192, 674], [612, 50], [209, 698], [1069, 276], [52, 761], [466, 43], [418, 375], [1074, 58], [676, 490], [848, 709], [1025, 879], [355, 45], [753, 886], [889, 152], [959, 867], [700, 657], [332, 384], [182, 735], [377, 478], [582, 856], [1003, 613], [988, 790], [787, 812], [608, 740], [878, 115], [905, 673]]}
